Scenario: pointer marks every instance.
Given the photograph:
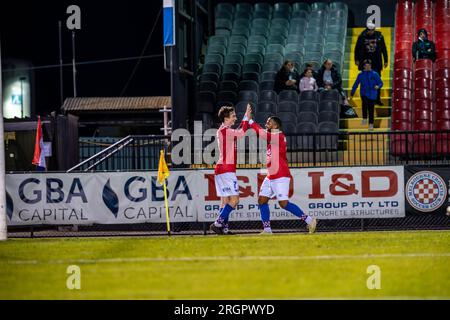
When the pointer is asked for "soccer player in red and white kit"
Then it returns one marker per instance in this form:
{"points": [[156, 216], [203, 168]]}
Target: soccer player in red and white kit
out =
{"points": [[225, 172], [276, 183]]}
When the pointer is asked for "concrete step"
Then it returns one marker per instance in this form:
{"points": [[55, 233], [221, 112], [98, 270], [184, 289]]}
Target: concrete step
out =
{"points": [[355, 123], [375, 157], [356, 102], [361, 143], [381, 112]]}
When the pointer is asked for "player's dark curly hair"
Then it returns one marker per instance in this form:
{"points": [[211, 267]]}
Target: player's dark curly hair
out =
{"points": [[277, 121], [225, 112]]}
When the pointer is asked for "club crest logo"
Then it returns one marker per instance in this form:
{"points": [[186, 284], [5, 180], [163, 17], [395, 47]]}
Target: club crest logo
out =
{"points": [[426, 191]]}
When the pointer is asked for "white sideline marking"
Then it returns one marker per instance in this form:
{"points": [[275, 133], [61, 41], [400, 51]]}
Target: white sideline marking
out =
{"points": [[228, 258]]}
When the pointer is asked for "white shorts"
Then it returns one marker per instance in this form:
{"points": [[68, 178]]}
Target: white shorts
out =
{"points": [[278, 188], [226, 184]]}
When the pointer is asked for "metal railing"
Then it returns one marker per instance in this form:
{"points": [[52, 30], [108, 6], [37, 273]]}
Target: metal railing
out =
{"points": [[129, 153], [368, 148]]}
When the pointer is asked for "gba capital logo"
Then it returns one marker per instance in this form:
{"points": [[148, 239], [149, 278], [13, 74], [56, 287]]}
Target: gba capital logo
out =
{"points": [[426, 191]]}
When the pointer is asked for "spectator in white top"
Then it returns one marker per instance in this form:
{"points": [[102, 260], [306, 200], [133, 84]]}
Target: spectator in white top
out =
{"points": [[308, 83]]}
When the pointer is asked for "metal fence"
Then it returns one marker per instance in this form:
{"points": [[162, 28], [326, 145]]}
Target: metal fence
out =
{"points": [[369, 148]]}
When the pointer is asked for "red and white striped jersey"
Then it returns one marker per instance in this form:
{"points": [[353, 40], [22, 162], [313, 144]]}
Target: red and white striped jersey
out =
{"points": [[226, 137], [277, 164]]}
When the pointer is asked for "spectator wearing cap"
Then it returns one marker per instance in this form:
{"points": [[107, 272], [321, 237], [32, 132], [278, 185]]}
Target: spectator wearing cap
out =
{"points": [[371, 46], [423, 48]]}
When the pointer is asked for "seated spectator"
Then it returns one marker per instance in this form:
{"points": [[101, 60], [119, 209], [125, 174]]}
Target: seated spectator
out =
{"points": [[423, 48], [287, 78], [328, 78], [308, 83]]}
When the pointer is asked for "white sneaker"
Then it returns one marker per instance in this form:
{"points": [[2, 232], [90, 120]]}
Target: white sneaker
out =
{"points": [[312, 226], [363, 122], [266, 233], [370, 127]]}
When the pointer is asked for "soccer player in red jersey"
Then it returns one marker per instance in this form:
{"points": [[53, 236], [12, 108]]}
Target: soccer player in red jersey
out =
{"points": [[276, 184], [225, 172]]}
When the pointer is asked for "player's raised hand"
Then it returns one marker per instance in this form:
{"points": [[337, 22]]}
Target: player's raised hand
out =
{"points": [[248, 112]]}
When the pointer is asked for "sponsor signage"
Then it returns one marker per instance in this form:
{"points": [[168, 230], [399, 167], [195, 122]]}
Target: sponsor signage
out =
{"points": [[427, 189], [136, 197]]}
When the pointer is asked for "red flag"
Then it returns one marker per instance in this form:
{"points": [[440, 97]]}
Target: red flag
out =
{"points": [[39, 158]]}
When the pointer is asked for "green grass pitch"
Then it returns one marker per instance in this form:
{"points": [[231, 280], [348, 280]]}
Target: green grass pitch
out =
{"points": [[413, 265]]}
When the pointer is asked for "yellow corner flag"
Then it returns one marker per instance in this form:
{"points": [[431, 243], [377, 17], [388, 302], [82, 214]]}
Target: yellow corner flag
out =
{"points": [[163, 174], [163, 171]]}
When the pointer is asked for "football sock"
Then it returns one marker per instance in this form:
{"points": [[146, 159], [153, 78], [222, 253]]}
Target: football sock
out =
{"points": [[296, 211], [265, 216], [224, 215]]}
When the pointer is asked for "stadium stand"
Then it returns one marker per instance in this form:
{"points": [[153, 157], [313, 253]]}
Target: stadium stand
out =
{"points": [[250, 44]]}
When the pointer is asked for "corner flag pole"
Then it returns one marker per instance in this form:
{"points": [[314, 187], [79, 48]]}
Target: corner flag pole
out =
{"points": [[3, 227], [163, 174], [166, 203]]}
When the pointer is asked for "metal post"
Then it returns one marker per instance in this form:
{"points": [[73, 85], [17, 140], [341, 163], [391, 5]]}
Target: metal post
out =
{"points": [[3, 228], [74, 69], [61, 84], [21, 97]]}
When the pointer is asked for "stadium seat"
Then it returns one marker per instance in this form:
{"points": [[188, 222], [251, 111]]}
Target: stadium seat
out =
{"points": [[308, 95], [306, 140], [289, 128], [422, 115], [287, 116], [268, 75], [402, 115], [288, 95], [443, 114], [307, 106], [403, 83], [423, 64], [443, 93], [209, 76], [329, 106], [266, 107], [423, 83], [212, 67], [249, 96], [268, 95], [329, 95], [328, 116], [214, 58], [248, 85], [208, 86], [287, 106], [228, 86], [330, 140], [402, 105], [226, 98], [271, 66], [423, 104], [266, 85], [308, 117]]}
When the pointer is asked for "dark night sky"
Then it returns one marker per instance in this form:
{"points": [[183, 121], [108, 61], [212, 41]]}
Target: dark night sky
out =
{"points": [[29, 30]]}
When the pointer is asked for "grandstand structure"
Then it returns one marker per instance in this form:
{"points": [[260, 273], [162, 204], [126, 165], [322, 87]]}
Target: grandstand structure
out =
{"points": [[421, 88]]}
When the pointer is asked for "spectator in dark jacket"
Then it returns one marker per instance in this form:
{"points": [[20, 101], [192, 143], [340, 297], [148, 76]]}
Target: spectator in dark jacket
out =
{"points": [[287, 78], [329, 78], [371, 46], [370, 83], [423, 48]]}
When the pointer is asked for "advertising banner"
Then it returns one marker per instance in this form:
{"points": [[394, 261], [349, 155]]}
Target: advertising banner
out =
{"points": [[324, 193], [136, 197]]}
